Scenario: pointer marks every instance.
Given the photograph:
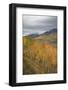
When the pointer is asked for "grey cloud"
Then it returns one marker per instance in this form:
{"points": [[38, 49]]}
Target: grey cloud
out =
{"points": [[39, 23]]}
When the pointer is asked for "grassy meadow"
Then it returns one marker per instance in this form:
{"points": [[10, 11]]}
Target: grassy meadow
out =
{"points": [[40, 54]]}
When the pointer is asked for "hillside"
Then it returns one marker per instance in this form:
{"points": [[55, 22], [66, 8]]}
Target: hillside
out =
{"points": [[40, 53]]}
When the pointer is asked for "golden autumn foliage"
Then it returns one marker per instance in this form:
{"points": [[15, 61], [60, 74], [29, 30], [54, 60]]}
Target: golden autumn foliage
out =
{"points": [[39, 58]]}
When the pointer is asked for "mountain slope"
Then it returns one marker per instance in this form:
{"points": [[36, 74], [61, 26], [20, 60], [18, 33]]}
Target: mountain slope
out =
{"points": [[40, 53], [45, 33]]}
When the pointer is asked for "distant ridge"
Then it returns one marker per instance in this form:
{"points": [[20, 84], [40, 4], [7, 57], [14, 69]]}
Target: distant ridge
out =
{"points": [[51, 31], [45, 33], [33, 35]]}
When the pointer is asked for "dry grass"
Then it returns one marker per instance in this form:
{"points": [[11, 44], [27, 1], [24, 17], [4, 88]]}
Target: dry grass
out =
{"points": [[39, 58]]}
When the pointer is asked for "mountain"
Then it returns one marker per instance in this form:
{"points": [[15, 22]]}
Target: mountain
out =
{"points": [[45, 33], [33, 35], [50, 31]]}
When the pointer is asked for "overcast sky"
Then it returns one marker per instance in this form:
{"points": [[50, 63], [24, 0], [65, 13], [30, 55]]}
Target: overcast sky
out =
{"points": [[38, 24]]}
